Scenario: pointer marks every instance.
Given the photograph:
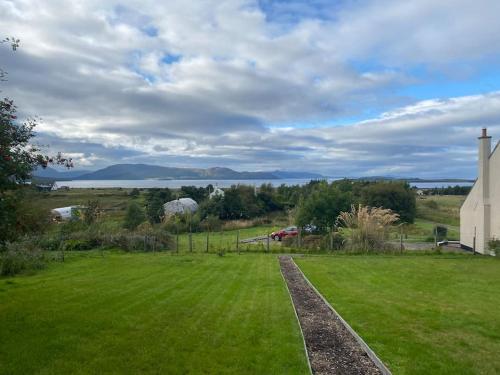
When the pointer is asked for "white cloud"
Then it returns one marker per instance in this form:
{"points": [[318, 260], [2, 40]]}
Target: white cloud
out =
{"points": [[94, 71]]}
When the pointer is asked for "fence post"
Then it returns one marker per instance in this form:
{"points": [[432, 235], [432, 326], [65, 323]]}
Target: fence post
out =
{"points": [[299, 237], [221, 242], [177, 242], [208, 235], [238, 241], [268, 242], [331, 238], [435, 237], [190, 242]]}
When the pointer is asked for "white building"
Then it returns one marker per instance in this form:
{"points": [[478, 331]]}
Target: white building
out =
{"points": [[480, 213], [180, 206], [216, 193]]}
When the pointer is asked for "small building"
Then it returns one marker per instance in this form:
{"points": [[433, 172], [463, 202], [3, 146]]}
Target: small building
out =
{"points": [[216, 193], [480, 213], [180, 206], [44, 187], [66, 213]]}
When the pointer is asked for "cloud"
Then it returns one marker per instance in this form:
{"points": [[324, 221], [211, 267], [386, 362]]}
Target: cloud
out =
{"points": [[226, 83]]}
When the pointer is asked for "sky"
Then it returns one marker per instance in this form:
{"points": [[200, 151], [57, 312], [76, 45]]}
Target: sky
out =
{"points": [[345, 88]]}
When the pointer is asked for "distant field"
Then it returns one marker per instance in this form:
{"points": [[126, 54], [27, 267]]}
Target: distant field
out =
{"points": [[446, 211], [435, 210], [113, 201], [150, 314], [420, 314]]}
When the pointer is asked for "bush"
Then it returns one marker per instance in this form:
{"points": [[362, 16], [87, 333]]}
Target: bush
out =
{"points": [[78, 245], [432, 204], [143, 238], [494, 246], [91, 212], [395, 196], [134, 216], [134, 193], [211, 223], [368, 227], [19, 257]]}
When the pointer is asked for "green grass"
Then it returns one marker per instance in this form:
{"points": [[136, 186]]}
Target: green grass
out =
{"points": [[420, 314], [150, 313], [227, 240], [446, 212]]}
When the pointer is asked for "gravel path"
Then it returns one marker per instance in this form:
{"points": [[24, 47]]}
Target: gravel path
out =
{"points": [[331, 347]]}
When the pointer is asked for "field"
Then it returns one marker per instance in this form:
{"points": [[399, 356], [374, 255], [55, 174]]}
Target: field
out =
{"points": [[420, 314], [431, 211], [150, 313]]}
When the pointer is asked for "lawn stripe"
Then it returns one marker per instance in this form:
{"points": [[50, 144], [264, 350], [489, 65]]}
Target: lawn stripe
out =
{"points": [[378, 362]]}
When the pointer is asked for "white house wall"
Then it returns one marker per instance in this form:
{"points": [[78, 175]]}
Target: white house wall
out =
{"points": [[471, 218], [495, 192]]}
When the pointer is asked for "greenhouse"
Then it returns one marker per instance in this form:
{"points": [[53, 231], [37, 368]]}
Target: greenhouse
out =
{"points": [[180, 206]]}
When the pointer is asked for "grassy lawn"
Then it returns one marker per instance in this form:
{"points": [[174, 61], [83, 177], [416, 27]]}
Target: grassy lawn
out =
{"points": [[420, 314], [150, 313], [227, 240]]}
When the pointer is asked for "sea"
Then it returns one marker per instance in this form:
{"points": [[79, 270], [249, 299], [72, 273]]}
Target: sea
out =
{"points": [[175, 184]]}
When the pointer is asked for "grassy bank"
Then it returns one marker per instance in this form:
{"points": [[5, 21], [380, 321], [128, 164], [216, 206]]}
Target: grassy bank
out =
{"points": [[421, 314], [150, 313]]}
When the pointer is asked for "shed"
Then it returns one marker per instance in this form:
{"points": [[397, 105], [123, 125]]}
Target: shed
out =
{"points": [[65, 213], [180, 206]]}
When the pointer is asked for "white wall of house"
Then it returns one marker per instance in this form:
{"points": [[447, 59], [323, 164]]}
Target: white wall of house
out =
{"points": [[480, 213]]}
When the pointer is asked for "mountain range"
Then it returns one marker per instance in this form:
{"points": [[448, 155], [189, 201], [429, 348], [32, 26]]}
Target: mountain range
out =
{"points": [[145, 171]]}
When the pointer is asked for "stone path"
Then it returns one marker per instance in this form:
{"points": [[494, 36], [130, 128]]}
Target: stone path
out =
{"points": [[331, 348]]}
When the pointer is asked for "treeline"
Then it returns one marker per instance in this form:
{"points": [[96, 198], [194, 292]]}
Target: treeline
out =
{"points": [[317, 203], [449, 190]]}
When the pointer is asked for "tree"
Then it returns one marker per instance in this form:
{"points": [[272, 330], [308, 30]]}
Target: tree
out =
{"points": [[18, 158], [134, 216], [195, 193], [91, 212], [322, 206], [396, 196], [155, 199]]}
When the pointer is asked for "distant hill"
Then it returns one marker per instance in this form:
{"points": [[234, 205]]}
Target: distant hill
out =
{"points": [[52, 173], [412, 179], [145, 171], [287, 174]]}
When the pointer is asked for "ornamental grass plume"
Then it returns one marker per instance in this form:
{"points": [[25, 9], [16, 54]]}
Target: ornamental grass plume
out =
{"points": [[368, 227]]}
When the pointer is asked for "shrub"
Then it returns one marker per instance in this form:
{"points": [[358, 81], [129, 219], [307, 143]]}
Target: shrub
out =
{"points": [[432, 204], [494, 246], [134, 216], [134, 193], [78, 245], [91, 212], [395, 196], [19, 257], [211, 223], [368, 227]]}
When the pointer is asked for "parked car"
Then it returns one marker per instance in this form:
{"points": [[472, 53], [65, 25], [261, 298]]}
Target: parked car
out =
{"points": [[288, 231]]}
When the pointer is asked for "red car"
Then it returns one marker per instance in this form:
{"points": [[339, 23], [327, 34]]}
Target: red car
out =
{"points": [[289, 231]]}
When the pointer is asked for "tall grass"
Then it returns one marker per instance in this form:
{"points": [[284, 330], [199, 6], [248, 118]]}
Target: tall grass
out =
{"points": [[368, 227]]}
